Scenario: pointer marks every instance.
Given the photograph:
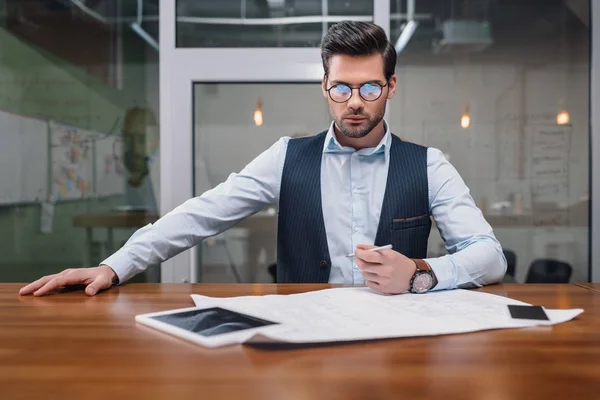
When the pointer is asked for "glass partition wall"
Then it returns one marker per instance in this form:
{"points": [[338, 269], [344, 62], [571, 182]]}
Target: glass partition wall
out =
{"points": [[502, 88], [506, 89]]}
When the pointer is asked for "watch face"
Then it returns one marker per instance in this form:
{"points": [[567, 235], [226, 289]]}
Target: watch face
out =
{"points": [[422, 283]]}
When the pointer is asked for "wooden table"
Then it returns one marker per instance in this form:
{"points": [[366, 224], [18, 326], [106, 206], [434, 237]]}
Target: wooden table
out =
{"points": [[110, 221], [592, 286], [74, 346]]}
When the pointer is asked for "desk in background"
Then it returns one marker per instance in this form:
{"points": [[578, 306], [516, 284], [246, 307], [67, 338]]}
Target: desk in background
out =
{"points": [[576, 215], [262, 233], [110, 221], [74, 346]]}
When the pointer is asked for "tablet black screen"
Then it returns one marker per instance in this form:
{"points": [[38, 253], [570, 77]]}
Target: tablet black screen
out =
{"points": [[212, 321]]}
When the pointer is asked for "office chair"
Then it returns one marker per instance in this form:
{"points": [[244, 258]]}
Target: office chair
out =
{"points": [[549, 271], [511, 262], [272, 268]]}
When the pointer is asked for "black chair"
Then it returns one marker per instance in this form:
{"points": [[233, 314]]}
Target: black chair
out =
{"points": [[511, 262], [272, 268], [549, 271]]}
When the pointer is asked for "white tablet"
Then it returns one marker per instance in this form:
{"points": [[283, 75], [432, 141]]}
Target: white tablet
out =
{"points": [[210, 327]]}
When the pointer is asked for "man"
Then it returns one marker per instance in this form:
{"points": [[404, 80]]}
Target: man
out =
{"points": [[140, 145], [342, 191]]}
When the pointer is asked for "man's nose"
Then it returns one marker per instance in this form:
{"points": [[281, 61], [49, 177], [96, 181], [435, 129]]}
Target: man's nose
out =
{"points": [[355, 102]]}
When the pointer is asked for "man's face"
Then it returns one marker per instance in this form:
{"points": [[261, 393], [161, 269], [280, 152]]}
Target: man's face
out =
{"points": [[356, 117], [135, 151]]}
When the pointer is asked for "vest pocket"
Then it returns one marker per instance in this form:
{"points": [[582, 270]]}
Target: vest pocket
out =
{"points": [[411, 222]]}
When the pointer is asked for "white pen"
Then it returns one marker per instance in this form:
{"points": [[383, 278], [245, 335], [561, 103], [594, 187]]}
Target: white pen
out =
{"points": [[387, 246]]}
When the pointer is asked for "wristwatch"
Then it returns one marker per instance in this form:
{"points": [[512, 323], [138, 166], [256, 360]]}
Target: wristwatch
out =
{"points": [[424, 279]]}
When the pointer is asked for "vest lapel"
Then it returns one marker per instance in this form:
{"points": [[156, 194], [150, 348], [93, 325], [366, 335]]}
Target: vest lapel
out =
{"points": [[302, 251]]}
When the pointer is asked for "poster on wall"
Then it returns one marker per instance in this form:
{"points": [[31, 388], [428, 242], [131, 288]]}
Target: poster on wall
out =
{"points": [[72, 162], [84, 163], [550, 150], [110, 169]]}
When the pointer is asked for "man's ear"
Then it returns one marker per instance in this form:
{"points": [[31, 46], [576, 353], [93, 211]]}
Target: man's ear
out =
{"points": [[392, 86], [324, 86]]}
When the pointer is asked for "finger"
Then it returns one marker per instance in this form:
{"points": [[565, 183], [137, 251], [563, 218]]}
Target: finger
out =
{"points": [[381, 280], [365, 246], [33, 286], [367, 266], [373, 257], [101, 282], [382, 271], [369, 276], [379, 287], [71, 278], [373, 285]]}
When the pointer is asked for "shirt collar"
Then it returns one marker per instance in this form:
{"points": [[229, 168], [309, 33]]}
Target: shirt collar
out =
{"points": [[333, 146]]}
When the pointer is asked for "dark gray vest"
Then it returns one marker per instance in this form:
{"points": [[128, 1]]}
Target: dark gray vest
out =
{"points": [[302, 251]]}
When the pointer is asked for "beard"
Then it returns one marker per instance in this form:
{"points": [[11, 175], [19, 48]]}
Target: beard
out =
{"points": [[361, 129]]}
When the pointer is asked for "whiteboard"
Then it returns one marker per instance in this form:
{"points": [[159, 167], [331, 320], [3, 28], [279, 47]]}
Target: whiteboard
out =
{"points": [[49, 161], [23, 159]]}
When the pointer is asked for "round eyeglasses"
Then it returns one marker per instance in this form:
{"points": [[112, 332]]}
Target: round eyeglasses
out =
{"points": [[341, 92]]}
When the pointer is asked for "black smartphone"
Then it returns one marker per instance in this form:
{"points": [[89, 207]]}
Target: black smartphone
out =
{"points": [[528, 312]]}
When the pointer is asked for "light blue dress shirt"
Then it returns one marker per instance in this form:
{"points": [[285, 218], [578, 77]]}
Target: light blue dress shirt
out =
{"points": [[352, 189]]}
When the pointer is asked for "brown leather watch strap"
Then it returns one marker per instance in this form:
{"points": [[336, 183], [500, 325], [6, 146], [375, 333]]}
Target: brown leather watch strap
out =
{"points": [[421, 264]]}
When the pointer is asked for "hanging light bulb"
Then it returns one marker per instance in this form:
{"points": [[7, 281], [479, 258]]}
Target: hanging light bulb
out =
{"points": [[465, 119], [563, 117], [258, 116]]}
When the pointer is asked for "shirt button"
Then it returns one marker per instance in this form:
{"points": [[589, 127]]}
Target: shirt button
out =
{"points": [[324, 264]]}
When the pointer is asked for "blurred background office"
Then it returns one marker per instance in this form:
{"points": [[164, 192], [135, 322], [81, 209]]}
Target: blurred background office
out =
{"points": [[502, 87]]}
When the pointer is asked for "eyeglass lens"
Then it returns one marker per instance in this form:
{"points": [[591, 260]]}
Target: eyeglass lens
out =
{"points": [[368, 91]]}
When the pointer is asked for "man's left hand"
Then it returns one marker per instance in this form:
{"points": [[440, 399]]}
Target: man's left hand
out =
{"points": [[386, 271]]}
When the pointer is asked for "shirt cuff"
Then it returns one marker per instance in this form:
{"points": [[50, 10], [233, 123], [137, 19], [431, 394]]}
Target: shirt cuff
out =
{"points": [[121, 263], [443, 269]]}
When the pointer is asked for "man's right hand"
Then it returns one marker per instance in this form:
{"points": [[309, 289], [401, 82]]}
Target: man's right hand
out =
{"points": [[95, 279]]}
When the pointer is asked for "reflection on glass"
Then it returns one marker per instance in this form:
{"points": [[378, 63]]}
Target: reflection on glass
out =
{"points": [[79, 134], [245, 23], [503, 90], [226, 139]]}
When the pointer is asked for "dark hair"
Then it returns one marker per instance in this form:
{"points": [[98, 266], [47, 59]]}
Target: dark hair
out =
{"points": [[356, 38]]}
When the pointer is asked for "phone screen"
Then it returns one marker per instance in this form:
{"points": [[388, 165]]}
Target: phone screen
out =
{"points": [[528, 312]]}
